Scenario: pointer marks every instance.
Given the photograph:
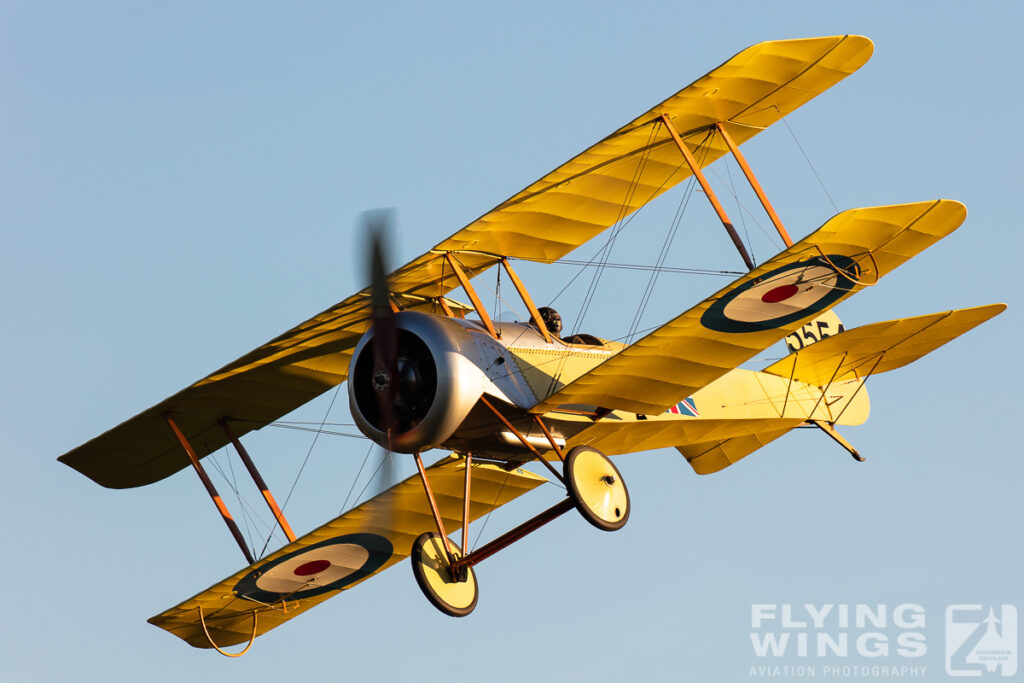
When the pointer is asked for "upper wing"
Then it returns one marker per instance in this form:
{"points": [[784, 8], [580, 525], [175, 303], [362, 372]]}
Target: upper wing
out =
{"points": [[879, 347], [338, 555], [850, 251], [639, 161], [543, 222]]}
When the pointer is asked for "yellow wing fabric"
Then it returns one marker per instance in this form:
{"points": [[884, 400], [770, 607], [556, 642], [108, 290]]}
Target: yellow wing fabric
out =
{"points": [[714, 456], [254, 390], [615, 437], [738, 413], [639, 161], [544, 222], [338, 555], [879, 347], [760, 308], [846, 357]]}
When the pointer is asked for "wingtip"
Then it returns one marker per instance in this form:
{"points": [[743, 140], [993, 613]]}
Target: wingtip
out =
{"points": [[996, 309]]}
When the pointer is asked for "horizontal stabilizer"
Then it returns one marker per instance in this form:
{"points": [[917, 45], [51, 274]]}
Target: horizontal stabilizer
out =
{"points": [[711, 457], [338, 555], [879, 347]]}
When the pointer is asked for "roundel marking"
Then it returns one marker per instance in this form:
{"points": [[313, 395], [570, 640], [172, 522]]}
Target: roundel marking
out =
{"points": [[782, 296], [325, 566]]}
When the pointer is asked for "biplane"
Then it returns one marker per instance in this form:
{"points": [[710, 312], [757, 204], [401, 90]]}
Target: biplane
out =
{"points": [[426, 372]]}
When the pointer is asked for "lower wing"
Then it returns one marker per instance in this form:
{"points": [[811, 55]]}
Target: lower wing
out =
{"points": [[338, 555], [745, 410], [851, 251]]}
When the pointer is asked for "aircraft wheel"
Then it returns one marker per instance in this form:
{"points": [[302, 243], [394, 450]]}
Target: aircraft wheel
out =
{"points": [[597, 488], [430, 567]]}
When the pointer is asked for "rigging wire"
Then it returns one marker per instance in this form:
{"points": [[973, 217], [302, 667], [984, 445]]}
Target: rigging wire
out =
{"points": [[813, 170], [684, 202], [232, 483], [238, 495], [604, 248], [314, 430], [605, 252], [355, 480], [772, 236], [494, 506], [373, 476], [281, 423], [643, 267], [250, 512], [610, 242], [739, 207], [512, 307], [303, 466]]}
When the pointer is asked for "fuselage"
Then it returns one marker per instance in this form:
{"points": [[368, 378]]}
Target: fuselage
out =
{"points": [[464, 364]]}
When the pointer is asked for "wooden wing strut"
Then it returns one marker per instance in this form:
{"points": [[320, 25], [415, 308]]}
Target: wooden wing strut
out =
{"points": [[210, 489], [715, 204]]}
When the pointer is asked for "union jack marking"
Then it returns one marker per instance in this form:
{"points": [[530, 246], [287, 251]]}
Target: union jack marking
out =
{"points": [[685, 407]]}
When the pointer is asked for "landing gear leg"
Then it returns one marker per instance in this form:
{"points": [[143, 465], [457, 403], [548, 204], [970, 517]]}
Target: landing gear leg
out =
{"points": [[450, 587]]}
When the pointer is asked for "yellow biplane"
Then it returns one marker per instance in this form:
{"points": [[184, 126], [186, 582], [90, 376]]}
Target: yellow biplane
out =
{"points": [[499, 395]]}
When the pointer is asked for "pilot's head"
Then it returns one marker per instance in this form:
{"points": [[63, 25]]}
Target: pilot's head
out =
{"points": [[551, 319]]}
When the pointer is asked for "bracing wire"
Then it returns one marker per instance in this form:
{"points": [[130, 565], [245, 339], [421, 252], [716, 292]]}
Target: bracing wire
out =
{"points": [[232, 483], [670, 236], [813, 170], [305, 460], [355, 480], [314, 430], [644, 267], [610, 242], [601, 252], [739, 207], [238, 495], [605, 252], [771, 235], [373, 476], [494, 506], [309, 452]]}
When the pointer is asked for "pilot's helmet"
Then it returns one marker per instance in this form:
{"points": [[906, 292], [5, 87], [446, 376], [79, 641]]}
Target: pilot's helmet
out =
{"points": [[551, 319]]}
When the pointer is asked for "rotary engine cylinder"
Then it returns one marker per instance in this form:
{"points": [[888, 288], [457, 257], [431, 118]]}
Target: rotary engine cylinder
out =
{"points": [[435, 388]]}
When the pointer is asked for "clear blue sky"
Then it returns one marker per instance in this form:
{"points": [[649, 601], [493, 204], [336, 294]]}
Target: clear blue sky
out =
{"points": [[179, 184]]}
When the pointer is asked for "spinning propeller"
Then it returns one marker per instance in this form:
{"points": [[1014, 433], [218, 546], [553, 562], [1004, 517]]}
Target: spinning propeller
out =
{"points": [[401, 363], [376, 227], [385, 332]]}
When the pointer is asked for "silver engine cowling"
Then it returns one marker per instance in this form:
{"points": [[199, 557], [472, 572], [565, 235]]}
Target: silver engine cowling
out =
{"points": [[438, 384]]}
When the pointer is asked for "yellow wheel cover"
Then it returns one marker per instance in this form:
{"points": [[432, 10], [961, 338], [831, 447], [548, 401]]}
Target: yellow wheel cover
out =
{"points": [[599, 486], [434, 562]]}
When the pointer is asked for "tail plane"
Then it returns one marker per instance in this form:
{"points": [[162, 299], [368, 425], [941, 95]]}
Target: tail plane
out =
{"points": [[826, 355]]}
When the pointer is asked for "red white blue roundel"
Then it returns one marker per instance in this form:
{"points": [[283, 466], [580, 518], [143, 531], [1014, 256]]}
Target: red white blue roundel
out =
{"points": [[782, 296], [324, 566]]}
